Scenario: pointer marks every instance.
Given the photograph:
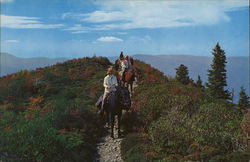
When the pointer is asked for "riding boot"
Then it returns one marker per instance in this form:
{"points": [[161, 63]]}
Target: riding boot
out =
{"points": [[102, 107]]}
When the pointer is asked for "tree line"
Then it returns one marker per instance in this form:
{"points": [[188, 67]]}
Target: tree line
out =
{"points": [[216, 83]]}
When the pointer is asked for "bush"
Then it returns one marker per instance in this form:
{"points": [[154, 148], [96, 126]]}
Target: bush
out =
{"points": [[36, 140], [217, 125], [132, 148], [169, 137]]}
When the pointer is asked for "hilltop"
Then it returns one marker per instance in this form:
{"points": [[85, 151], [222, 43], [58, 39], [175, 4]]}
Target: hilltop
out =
{"points": [[48, 114], [197, 65]]}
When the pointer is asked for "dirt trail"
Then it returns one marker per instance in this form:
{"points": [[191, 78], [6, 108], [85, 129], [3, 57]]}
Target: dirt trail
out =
{"points": [[109, 149]]}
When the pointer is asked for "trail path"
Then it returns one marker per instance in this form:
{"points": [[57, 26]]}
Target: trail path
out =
{"points": [[109, 149]]}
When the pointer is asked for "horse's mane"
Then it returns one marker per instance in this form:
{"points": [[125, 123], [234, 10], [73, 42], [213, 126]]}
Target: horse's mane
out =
{"points": [[116, 64]]}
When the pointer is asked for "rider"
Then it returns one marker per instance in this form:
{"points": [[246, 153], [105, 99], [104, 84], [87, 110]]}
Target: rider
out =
{"points": [[109, 83], [127, 58], [124, 66], [121, 56]]}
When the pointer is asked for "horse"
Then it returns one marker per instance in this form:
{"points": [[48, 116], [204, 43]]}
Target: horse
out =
{"points": [[116, 102], [130, 75]]}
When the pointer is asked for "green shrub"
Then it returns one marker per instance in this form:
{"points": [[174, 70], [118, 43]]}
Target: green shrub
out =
{"points": [[169, 137], [217, 125], [132, 148]]}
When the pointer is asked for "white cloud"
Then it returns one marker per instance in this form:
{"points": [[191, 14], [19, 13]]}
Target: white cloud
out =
{"points": [[109, 39], [3, 1], [77, 29], [12, 41], [22, 22], [158, 14]]}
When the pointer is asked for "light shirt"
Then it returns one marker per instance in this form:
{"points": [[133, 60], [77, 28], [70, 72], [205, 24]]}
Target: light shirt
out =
{"points": [[124, 64], [110, 80]]}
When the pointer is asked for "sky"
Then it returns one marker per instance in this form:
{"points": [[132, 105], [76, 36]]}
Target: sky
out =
{"points": [[77, 28]]}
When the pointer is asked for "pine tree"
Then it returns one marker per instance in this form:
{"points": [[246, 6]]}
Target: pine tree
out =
{"points": [[243, 102], [232, 95], [199, 82], [182, 74], [217, 75]]}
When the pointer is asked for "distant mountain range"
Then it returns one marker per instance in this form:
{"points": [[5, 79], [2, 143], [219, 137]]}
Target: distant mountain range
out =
{"points": [[11, 64], [237, 67]]}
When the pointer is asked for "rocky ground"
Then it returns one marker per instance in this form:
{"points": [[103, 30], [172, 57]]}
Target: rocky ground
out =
{"points": [[109, 149]]}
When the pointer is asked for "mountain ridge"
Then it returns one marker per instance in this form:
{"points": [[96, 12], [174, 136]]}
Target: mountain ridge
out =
{"points": [[197, 65], [48, 114]]}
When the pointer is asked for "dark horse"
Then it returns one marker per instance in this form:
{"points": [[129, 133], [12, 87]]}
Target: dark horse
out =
{"points": [[130, 75], [116, 102]]}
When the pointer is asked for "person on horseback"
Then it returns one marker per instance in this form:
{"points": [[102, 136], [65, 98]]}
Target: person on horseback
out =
{"points": [[121, 57], [127, 58], [109, 83], [124, 66]]}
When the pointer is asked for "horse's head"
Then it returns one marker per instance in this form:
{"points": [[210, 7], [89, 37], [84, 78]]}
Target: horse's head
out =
{"points": [[124, 97]]}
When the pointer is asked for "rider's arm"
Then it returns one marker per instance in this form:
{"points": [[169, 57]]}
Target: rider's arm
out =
{"points": [[105, 83], [115, 81]]}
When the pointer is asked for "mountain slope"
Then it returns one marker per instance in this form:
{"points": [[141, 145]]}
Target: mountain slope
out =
{"points": [[175, 122], [48, 114], [11, 64]]}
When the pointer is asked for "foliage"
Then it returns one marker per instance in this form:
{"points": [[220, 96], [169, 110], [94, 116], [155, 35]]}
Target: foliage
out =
{"points": [[182, 74], [199, 82], [132, 148], [48, 114], [243, 102], [217, 75], [217, 125], [181, 123]]}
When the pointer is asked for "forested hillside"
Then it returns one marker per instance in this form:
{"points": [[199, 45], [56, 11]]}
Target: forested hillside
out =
{"points": [[48, 115]]}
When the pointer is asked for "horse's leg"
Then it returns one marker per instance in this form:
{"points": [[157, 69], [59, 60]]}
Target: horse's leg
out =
{"points": [[107, 118], [119, 125], [112, 125], [131, 87]]}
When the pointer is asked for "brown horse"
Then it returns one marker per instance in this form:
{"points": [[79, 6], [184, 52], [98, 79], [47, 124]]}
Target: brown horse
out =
{"points": [[130, 75]]}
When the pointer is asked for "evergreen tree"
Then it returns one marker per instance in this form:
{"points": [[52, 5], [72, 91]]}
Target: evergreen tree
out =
{"points": [[243, 102], [182, 74], [217, 75], [199, 82], [232, 95]]}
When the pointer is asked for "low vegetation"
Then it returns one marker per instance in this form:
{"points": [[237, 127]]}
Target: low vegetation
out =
{"points": [[48, 114], [176, 122]]}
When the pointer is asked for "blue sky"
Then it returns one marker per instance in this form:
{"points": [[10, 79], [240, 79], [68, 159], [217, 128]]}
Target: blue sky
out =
{"points": [[77, 28]]}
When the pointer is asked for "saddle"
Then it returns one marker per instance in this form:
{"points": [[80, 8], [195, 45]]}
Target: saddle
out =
{"points": [[99, 101]]}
